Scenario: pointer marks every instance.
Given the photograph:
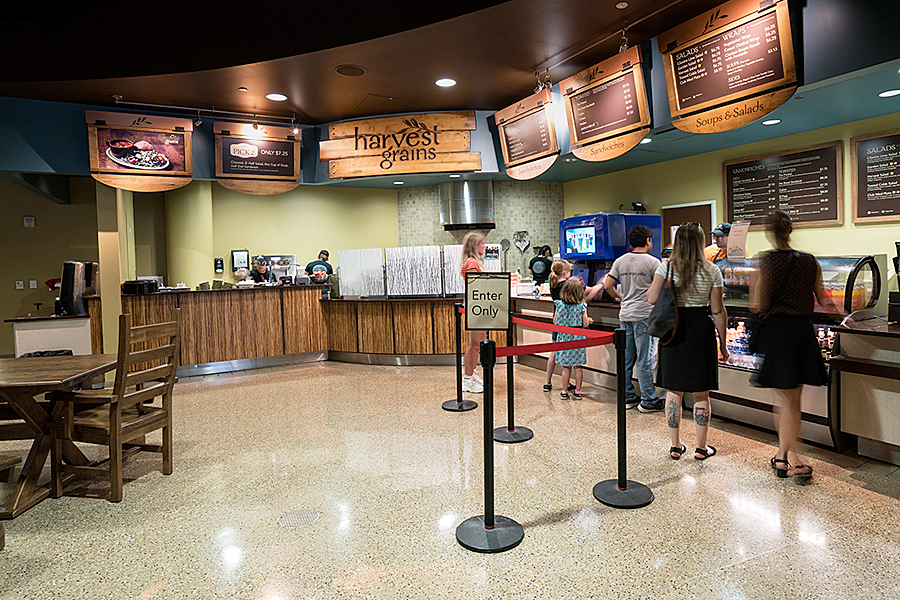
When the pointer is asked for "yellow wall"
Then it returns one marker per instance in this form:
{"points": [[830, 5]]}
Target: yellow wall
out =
{"points": [[699, 178], [150, 234], [302, 222], [61, 232]]}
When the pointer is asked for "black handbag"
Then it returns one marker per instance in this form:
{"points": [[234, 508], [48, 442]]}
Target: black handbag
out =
{"points": [[663, 320]]}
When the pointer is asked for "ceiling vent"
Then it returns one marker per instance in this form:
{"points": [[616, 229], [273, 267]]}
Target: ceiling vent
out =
{"points": [[467, 205]]}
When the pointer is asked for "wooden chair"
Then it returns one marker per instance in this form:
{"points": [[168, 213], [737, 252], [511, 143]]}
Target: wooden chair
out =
{"points": [[7, 464], [120, 417]]}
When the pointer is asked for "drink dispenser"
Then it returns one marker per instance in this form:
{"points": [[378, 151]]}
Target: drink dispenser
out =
{"points": [[593, 242]]}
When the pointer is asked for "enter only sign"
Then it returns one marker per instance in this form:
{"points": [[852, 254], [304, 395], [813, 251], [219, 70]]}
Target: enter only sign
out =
{"points": [[487, 301]]}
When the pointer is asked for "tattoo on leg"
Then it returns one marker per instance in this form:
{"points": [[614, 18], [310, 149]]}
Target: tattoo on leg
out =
{"points": [[672, 415], [701, 416]]}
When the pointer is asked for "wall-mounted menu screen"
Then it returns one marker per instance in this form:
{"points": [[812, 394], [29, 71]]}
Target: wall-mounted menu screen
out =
{"points": [[708, 65], [241, 157], [610, 106], [528, 137], [876, 177], [805, 183]]}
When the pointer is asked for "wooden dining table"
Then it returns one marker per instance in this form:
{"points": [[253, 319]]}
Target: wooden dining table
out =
{"points": [[25, 415]]}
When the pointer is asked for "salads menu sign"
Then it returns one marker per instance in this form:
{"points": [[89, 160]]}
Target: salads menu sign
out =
{"points": [[730, 66], [426, 143], [139, 152], [875, 164]]}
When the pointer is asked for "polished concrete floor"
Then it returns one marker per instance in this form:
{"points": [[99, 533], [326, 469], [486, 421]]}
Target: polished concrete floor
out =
{"points": [[376, 478]]}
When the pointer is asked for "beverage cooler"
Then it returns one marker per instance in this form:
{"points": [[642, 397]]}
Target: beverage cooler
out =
{"points": [[855, 283]]}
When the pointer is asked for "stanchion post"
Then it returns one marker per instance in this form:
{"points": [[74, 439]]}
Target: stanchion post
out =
{"points": [[458, 404], [620, 492], [511, 434], [489, 532]]}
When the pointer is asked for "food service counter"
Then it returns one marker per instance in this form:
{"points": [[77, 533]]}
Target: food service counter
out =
{"points": [[866, 372]]}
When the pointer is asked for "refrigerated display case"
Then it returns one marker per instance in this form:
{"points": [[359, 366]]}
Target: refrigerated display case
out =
{"points": [[855, 283]]}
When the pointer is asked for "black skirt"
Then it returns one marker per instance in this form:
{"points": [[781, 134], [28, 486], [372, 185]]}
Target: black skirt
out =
{"points": [[689, 363], [792, 354]]}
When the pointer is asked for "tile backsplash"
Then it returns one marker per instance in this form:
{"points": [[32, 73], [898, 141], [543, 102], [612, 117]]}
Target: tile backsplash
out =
{"points": [[535, 207]]}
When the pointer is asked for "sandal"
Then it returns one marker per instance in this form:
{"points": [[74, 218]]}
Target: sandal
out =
{"points": [[577, 394], [676, 450], [704, 452], [564, 395], [800, 472], [780, 471], [547, 387]]}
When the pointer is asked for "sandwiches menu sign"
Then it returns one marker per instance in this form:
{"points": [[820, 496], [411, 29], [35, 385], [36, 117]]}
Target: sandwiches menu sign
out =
{"points": [[729, 66]]}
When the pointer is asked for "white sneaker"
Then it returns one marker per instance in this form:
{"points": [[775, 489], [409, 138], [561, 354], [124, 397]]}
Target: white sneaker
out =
{"points": [[472, 385], [477, 377]]}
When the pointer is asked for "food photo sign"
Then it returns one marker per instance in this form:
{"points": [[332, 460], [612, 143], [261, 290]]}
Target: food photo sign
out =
{"points": [[141, 153], [260, 161]]}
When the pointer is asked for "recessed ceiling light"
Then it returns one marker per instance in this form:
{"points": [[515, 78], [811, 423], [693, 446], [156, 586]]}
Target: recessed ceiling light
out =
{"points": [[772, 122], [646, 140], [889, 94], [447, 82], [799, 97], [454, 176], [276, 97], [242, 89], [622, 5], [398, 183], [350, 70], [570, 160]]}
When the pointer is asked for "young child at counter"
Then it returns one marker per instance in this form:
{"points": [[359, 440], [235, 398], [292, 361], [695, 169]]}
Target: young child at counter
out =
{"points": [[571, 311]]}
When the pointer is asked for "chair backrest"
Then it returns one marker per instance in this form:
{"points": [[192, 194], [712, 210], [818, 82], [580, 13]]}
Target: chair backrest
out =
{"points": [[147, 360]]}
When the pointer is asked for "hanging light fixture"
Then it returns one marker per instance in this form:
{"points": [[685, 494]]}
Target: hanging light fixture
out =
{"points": [[294, 127], [623, 47], [198, 122]]}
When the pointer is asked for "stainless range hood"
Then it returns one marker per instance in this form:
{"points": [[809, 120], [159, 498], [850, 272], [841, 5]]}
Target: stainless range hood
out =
{"points": [[467, 205]]}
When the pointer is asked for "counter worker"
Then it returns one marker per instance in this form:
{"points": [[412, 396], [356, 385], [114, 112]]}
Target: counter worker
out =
{"points": [[261, 273], [540, 265], [322, 262], [719, 248], [634, 273]]}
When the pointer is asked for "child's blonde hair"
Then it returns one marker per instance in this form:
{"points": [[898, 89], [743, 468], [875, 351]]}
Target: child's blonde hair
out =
{"points": [[556, 272], [572, 291]]}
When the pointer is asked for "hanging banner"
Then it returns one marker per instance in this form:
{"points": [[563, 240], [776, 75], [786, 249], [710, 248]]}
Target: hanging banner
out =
{"points": [[141, 153], [729, 66], [528, 136], [259, 161], [426, 143], [606, 107]]}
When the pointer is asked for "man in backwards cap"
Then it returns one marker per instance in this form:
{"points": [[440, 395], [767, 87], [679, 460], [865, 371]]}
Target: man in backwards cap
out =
{"points": [[320, 264]]}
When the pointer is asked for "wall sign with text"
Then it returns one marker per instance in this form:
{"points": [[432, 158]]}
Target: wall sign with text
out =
{"points": [[729, 66], [606, 107], [806, 183], [528, 136], [141, 153], [426, 143], [875, 163], [261, 161]]}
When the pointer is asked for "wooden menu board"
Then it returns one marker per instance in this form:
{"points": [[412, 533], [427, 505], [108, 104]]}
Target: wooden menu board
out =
{"points": [[805, 183], [719, 64], [260, 162], [875, 177], [606, 100], [528, 135]]}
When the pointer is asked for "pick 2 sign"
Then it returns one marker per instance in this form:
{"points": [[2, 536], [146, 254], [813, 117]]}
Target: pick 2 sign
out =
{"points": [[487, 301]]}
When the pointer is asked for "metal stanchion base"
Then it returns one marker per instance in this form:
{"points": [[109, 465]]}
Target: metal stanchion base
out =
{"points": [[519, 434], [459, 405], [636, 496], [472, 535]]}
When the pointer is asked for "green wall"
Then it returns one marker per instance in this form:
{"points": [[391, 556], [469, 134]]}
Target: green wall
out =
{"points": [[699, 178]]}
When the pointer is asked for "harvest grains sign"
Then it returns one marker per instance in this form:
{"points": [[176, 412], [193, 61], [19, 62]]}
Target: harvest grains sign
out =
{"points": [[606, 107], [427, 143], [729, 67], [528, 136]]}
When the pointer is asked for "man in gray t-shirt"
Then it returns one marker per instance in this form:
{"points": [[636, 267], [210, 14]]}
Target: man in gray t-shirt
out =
{"points": [[634, 274]]}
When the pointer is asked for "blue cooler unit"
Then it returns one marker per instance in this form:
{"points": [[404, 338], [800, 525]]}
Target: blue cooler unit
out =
{"points": [[593, 242]]}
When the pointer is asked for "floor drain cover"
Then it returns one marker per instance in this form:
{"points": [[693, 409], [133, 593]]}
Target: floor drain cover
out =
{"points": [[299, 518]]}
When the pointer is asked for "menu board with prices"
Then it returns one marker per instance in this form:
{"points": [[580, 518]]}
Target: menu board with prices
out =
{"points": [[262, 158], [528, 137], [606, 100], [805, 183], [876, 177], [740, 59]]}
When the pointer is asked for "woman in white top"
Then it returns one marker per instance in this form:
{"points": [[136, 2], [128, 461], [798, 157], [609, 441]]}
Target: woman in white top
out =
{"points": [[688, 363]]}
